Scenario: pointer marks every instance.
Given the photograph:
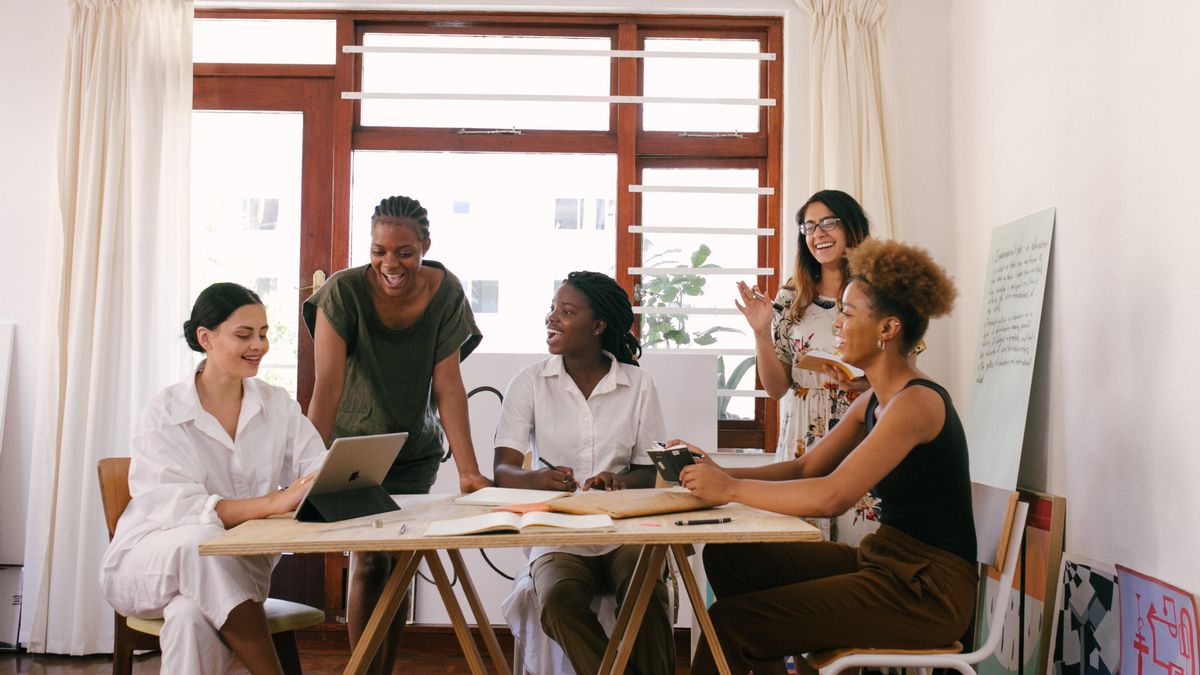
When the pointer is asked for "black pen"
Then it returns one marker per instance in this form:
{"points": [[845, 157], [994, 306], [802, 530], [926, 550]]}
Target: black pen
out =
{"points": [[705, 521]]}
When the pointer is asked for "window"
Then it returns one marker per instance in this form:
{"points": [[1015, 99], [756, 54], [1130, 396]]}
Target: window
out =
{"points": [[568, 214], [260, 214], [485, 297], [264, 286], [645, 147]]}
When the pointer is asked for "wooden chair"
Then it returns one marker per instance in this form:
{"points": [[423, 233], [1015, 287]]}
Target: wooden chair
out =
{"points": [[999, 526], [132, 633]]}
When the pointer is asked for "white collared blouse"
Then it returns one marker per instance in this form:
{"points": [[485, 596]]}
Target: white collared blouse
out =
{"points": [[544, 411], [184, 462]]}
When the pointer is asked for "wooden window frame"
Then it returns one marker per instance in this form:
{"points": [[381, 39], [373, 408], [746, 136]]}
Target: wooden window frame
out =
{"points": [[326, 200]]}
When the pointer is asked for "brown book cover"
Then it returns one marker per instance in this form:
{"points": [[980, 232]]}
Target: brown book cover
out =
{"points": [[631, 503]]}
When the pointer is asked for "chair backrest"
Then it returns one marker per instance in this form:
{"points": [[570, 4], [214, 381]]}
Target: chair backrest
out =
{"points": [[1007, 543], [993, 509], [114, 489]]}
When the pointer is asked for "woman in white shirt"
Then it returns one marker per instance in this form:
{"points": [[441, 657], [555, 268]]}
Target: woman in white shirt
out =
{"points": [[591, 413], [209, 453]]}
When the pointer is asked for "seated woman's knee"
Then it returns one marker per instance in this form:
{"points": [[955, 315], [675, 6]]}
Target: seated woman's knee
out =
{"points": [[569, 594]]}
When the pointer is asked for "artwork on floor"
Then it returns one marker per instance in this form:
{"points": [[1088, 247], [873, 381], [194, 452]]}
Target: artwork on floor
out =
{"points": [[1025, 641], [1158, 626], [1087, 618]]}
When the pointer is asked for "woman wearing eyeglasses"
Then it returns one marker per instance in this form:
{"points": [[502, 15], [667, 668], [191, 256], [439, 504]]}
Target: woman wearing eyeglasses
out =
{"points": [[800, 320]]}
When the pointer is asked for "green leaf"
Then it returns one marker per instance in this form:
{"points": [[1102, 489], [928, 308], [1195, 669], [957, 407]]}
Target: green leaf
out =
{"points": [[700, 255], [739, 371], [677, 336]]}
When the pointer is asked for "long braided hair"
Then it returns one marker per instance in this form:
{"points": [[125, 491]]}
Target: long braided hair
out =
{"points": [[611, 305], [400, 207]]}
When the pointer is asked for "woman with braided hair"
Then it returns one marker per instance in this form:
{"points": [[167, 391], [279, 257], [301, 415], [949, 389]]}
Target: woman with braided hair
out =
{"points": [[388, 338], [589, 413]]}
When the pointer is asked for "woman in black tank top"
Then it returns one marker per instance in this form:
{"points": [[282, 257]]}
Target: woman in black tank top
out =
{"points": [[911, 584]]}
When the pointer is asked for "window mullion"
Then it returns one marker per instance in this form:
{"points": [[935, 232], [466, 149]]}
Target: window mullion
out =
{"points": [[627, 83]]}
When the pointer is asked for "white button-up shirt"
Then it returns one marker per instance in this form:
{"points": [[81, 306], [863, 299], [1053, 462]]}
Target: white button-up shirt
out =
{"points": [[545, 412], [184, 462]]}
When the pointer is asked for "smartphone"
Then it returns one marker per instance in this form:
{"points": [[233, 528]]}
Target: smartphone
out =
{"points": [[670, 461]]}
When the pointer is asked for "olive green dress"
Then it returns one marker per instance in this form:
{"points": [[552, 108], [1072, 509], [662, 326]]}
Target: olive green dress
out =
{"points": [[389, 373]]}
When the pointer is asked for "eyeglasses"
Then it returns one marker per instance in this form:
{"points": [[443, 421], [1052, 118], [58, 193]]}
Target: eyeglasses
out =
{"points": [[825, 224]]}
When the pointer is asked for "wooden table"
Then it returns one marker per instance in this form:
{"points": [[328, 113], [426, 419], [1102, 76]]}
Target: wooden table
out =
{"points": [[658, 537]]}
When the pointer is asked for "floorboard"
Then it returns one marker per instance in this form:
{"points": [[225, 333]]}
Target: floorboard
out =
{"points": [[429, 651]]}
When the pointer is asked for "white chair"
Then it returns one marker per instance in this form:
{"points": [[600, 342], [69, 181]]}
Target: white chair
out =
{"points": [[999, 526], [534, 652]]}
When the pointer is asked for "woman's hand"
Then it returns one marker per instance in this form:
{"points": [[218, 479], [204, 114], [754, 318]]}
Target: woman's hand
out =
{"points": [[708, 482], [290, 497], [470, 482], [756, 307], [558, 478], [858, 384], [699, 455], [606, 480]]}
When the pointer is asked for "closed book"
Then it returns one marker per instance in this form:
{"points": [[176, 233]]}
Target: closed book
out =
{"points": [[498, 496], [817, 360]]}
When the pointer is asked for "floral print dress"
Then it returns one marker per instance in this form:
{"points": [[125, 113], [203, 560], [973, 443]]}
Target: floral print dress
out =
{"points": [[815, 403]]}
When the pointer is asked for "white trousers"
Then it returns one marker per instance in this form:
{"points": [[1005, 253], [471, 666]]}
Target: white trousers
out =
{"points": [[164, 576]]}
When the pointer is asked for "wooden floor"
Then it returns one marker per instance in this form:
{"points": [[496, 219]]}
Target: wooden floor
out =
{"points": [[431, 653]]}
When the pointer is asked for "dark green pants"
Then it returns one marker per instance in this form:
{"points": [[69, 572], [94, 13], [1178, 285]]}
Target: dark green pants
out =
{"points": [[776, 600], [565, 584]]}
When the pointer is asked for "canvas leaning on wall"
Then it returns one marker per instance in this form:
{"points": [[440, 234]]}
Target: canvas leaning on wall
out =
{"points": [[1087, 635], [1025, 641], [1158, 626]]}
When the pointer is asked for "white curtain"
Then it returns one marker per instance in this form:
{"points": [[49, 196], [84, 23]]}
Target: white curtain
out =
{"points": [[847, 98], [118, 292]]}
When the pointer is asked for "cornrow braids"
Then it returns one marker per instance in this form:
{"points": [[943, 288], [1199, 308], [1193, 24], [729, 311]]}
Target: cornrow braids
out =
{"points": [[400, 207], [611, 305]]}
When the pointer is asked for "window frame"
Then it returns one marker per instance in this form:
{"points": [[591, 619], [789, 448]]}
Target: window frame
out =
{"points": [[636, 149]]}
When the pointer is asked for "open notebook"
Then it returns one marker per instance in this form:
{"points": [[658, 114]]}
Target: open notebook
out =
{"points": [[503, 521]]}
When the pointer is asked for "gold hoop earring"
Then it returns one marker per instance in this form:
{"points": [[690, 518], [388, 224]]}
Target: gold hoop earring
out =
{"points": [[880, 344]]}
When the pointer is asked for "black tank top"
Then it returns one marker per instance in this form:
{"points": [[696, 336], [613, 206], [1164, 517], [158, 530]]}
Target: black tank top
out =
{"points": [[928, 495]]}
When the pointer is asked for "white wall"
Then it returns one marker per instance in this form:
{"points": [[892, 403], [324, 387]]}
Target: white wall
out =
{"points": [[32, 50], [918, 98], [1092, 108]]}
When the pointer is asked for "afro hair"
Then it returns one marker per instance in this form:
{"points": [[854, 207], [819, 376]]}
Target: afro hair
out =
{"points": [[903, 280]]}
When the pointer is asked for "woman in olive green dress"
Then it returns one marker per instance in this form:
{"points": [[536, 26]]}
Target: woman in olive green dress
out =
{"points": [[388, 339]]}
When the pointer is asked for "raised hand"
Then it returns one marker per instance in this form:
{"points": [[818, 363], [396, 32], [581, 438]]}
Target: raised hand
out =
{"points": [[756, 307]]}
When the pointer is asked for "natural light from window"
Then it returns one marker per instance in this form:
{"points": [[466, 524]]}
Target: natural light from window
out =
{"points": [[246, 219], [510, 226]]}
